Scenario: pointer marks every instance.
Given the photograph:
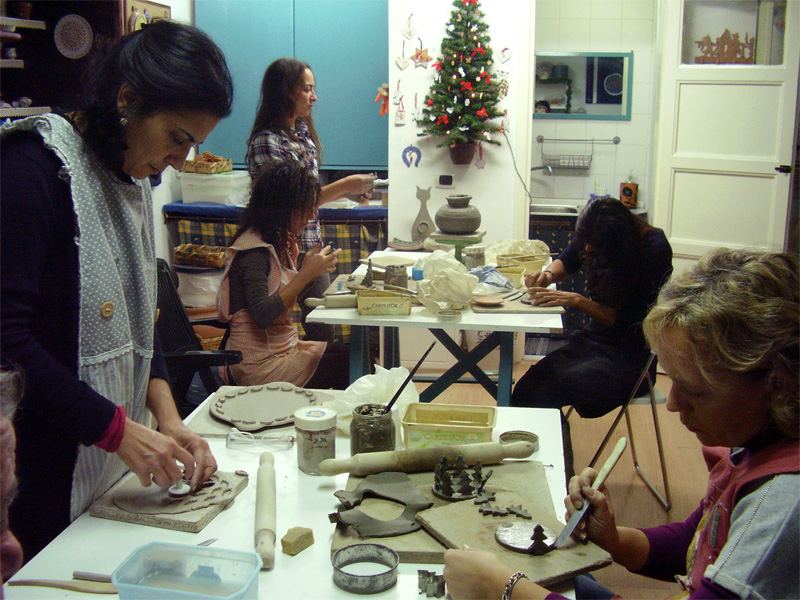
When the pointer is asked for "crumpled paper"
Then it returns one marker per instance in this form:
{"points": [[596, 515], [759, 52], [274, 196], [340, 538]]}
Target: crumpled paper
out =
{"points": [[377, 388], [446, 285], [522, 247]]}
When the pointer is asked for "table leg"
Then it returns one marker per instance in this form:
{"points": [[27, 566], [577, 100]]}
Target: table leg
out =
{"points": [[505, 370], [359, 352], [391, 348], [466, 362]]}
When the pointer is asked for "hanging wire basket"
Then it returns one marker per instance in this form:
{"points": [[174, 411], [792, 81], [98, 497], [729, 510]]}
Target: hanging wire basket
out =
{"points": [[567, 161]]}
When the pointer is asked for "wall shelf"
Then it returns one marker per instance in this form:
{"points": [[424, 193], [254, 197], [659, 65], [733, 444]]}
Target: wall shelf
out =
{"points": [[21, 23], [11, 63]]}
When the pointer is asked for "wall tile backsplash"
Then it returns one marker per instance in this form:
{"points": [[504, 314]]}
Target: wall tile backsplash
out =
{"points": [[599, 26]]}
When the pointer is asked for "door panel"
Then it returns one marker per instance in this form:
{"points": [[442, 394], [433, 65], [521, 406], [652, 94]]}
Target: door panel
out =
{"points": [[723, 129], [709, 113]]}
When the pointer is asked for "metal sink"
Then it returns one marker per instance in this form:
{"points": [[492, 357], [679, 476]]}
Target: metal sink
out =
{"points": [[553, 209]]}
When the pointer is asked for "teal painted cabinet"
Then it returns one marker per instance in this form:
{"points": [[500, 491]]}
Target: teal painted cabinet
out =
{"points": [[346, 44]]}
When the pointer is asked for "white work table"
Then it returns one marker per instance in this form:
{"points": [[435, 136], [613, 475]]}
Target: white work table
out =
{"points": [[100, 545], [503, 326]]}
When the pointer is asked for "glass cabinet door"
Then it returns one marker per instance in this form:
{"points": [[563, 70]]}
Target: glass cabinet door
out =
{"points": [[733, 32]]}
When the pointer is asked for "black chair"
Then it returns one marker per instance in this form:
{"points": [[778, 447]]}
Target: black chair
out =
{"points": [[183, 352]]}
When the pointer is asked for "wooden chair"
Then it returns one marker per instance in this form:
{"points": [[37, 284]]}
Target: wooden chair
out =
{"points": [[653, 397]]}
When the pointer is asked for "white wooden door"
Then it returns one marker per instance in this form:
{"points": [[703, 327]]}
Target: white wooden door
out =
{"points": [[725, 130]]}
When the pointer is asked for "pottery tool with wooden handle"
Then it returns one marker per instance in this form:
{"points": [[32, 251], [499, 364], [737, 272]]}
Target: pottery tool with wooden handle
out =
{"points": [[424, 459], [265, 510], [578, 515]]}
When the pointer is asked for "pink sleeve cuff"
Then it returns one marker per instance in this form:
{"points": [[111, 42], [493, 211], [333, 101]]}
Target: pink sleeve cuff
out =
{"points": [[112, 438]]}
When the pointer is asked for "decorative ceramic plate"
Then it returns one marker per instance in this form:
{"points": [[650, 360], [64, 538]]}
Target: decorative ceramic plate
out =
{"points": [[260, 406], [613, 84], [386, 261], [73, 36]]}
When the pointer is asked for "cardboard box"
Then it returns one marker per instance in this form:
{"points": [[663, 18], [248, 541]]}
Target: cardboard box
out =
{"points": [[429, 425], [376, 302]]}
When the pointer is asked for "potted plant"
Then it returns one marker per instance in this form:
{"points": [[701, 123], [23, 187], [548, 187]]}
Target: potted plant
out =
{"points": [[463, 98]]}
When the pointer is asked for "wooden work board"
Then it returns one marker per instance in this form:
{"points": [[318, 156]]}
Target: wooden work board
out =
{"points": [[517, 307], [454, 524], [192, 521]]}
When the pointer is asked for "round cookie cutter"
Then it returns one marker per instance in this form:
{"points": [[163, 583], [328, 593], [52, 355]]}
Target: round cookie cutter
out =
{"points": [[365, 553], [518, 435], [449, 316]]}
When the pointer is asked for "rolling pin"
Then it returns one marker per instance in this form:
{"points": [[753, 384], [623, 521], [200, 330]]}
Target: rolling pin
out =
{"points": [[265, 510], [424, 459], [334, 301]]}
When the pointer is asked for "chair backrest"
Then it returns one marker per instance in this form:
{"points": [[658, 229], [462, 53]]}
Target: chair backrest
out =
{"points": [[173, 325]]}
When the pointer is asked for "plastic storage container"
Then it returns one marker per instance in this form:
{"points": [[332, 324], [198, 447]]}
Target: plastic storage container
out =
{"points": [[231, 188], [429, 425], [160, 570]]}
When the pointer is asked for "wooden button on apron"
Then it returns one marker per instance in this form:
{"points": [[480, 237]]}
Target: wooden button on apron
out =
{"points": [[107, 309]]}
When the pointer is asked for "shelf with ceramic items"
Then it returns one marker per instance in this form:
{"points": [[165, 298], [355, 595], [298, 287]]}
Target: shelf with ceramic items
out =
{"points": [[11, 24], [555, 103]]}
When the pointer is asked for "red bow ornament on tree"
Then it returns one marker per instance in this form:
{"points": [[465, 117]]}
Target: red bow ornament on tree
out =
{"points": [[478, 49], [443, 119], [466, 85], [482, 113], [468, 2]]}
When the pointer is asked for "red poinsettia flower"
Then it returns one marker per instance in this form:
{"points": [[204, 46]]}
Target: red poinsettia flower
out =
{"points": [[466, 85], [482, 113]]}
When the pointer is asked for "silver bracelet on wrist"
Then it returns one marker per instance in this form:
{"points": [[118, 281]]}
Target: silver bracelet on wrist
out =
{"points": [[512, 581]]}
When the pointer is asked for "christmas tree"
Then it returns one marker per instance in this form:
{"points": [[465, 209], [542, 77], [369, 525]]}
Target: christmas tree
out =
{"points": [[463, 97]]}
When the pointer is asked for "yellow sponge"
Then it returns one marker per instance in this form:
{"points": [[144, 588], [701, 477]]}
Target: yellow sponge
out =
{"points": [[296, 540]]}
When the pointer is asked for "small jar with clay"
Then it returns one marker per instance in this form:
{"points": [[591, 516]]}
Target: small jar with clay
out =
{"points": [[372, 429], [316, 437]]}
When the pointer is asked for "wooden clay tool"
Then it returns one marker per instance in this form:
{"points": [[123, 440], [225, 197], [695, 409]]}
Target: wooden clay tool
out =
{"points": [[265, 510], [424, 459]]}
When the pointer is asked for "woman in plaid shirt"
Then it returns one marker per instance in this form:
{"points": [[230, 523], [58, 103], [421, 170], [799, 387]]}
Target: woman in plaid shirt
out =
{"points": [[284, 130]]}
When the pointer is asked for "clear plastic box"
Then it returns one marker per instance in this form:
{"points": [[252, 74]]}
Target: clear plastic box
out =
{"points": [[231, 188], [161, 570]]}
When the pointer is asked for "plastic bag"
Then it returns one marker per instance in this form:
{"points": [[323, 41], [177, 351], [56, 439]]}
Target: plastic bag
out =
{"points": [[378, 388]]}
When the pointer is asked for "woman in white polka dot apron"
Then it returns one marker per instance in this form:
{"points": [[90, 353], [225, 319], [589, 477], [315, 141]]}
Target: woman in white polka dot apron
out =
{"points": [[78, 294]]}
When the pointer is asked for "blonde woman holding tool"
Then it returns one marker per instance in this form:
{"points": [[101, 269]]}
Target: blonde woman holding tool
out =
{"points": [[727, 332]]}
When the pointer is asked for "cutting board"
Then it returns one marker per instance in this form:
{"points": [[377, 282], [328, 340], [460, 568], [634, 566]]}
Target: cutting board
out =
{"points": [[192, 521], [454, 524], [517, 306]]}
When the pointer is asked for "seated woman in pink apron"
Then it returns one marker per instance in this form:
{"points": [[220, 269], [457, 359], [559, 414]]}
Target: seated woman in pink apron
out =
{"points": [[265, 277]]}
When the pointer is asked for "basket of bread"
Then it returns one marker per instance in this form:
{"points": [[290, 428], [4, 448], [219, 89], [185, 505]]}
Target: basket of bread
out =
{"points": [[208, 164], [199, 255]]}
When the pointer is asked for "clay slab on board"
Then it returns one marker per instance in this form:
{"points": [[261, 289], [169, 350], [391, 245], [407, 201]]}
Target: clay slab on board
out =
{"points": [[192, 521], [447, 524], [420, 546]]}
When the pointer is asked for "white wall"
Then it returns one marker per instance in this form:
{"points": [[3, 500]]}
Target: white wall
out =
{"points": [[496, 188], [170, 188], [601, 26]]}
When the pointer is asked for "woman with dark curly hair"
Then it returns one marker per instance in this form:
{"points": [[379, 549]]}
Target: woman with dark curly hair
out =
{"points": [[266, 275], [627, 262], [78, 297]]}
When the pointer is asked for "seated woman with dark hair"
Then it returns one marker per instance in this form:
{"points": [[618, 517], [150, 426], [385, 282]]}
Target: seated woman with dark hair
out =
{"points": [[265, 277], [627, 261]]}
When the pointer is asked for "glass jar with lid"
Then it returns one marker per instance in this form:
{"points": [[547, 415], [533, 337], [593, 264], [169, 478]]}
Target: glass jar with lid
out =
{"points": [[372, 429], [316, 437]]}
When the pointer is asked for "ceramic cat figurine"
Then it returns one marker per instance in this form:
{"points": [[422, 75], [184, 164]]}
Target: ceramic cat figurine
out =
{"points": [[423, 224]]}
